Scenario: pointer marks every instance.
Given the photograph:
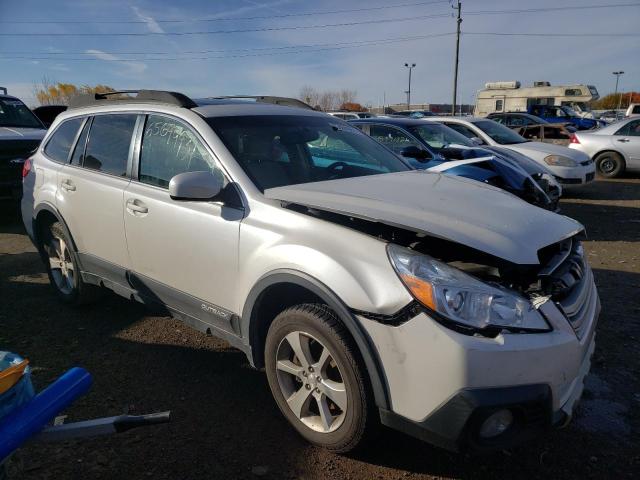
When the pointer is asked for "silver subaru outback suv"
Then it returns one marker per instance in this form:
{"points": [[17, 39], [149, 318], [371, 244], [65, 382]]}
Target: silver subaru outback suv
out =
{"points": [[370, 293]]}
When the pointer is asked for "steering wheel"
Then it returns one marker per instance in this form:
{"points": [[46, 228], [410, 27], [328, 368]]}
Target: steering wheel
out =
{"points": [[333, 168]]}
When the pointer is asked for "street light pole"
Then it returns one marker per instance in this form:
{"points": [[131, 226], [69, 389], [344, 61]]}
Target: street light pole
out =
{"points": [[455, 72], [617, 74], [410, 67]]}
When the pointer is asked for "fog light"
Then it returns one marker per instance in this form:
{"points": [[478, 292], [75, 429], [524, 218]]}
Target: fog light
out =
{"points": [[496, 424]]}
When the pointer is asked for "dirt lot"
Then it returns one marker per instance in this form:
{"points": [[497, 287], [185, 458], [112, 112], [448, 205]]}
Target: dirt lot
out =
{"points": [[225, 422]]}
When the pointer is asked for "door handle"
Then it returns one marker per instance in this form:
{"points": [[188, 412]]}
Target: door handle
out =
{"points": [[136, 206], [68, 185], [623, 140]]}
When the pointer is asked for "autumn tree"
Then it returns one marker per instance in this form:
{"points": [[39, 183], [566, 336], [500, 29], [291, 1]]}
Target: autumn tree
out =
{"points": [[612, 100], [49, 93], [352, 107]]}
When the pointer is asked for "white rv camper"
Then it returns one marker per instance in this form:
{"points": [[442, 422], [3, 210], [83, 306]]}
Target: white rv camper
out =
{"points": [[512, 97]]}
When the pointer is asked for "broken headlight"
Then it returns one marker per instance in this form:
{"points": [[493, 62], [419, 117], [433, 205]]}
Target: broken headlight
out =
{"points": [[460, 297]]}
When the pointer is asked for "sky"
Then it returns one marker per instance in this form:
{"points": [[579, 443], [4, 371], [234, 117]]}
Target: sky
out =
{"points": [[277, 46]]}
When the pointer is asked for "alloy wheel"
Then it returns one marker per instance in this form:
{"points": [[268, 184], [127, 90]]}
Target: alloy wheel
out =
{"points": [[61, 264], [311, 382]]}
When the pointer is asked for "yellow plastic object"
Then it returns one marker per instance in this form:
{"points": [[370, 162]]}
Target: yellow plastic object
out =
{"points": [[11, 376]]}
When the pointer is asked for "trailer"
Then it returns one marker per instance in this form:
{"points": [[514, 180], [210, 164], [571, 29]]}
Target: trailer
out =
{"points": [[511, 96]]}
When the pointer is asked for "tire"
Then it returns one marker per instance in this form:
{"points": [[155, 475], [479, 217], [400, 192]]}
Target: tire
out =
{"points": [[335, 384], [63, 268], [610, 164]]}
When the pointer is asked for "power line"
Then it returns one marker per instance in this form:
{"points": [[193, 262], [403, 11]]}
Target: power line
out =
{"points": [[307, 14], [550, 9], [226, 19], [338, 46], [228, 50], [554, 34], [211, 32]]}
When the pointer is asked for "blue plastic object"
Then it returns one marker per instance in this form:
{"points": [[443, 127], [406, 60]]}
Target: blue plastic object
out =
{"points": [[29, 419], [21, 392]]}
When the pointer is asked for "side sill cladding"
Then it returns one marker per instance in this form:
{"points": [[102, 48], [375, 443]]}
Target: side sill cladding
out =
{"points": [[249, 324]]}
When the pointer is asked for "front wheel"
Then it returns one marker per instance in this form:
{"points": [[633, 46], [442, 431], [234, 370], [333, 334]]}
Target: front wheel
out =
{"points": [[610, 164], [316, 378]]}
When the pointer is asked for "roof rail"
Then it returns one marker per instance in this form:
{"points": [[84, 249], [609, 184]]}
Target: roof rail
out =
{"points": [[285, 101], [124, 96]]}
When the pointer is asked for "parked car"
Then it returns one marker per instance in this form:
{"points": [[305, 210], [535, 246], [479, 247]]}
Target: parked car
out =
{"points": [[565, 114], [351, 115], [633, 110], [369, 292], [20, 134], [534, 128], [415, 113], [432, 146], [614, 149], [571, 168], [47, 113]]}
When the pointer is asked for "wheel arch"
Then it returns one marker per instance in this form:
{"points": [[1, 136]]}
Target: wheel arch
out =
{"points": [[254, 328], [46, 211], [611, 150]]}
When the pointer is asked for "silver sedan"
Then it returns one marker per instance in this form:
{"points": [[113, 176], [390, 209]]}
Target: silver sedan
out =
{"points": [[614, 148]]}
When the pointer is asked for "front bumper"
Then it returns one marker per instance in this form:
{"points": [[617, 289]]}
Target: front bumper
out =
{"points": [[575, 176], [442, 384]]}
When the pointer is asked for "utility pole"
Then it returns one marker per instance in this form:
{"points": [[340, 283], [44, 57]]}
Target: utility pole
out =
{"points": [[455, 74], [410, 67], [617, 74]]}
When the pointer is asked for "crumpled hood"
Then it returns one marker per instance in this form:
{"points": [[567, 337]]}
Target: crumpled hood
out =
{"points": [[21, 133], [453, 208]]}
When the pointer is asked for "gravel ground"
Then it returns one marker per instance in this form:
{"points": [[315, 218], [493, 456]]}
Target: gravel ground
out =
{"points": [[225, 424]]}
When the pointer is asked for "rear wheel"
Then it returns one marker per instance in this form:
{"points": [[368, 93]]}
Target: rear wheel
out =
{"points": [[610, 164], [63, 268], [316, 378]]}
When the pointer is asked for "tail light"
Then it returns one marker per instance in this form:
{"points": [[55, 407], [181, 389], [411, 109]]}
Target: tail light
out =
{"points": [[574, 139], [26, 167]]}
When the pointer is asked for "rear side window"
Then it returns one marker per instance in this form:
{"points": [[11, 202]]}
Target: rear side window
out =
{"points": [[78, 153], [168, 149], [60, 143], [109, 143]]}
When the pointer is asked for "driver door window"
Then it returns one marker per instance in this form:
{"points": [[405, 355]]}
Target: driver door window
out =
{"points": [[392, 138]]}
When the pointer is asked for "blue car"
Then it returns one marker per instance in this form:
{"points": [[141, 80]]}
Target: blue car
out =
{"points": [[432, 146], [564, 114]]}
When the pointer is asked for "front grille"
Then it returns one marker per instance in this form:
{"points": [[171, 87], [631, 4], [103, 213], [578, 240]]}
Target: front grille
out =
{"points": [[569, 280]]}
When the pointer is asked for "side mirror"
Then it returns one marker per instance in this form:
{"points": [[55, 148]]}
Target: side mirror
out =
{"points": [[414, 152], [477, 141], [196, 185]]}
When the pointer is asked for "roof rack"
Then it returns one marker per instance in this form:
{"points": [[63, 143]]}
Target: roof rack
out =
{"points": [[285, 101], [124, 96]]}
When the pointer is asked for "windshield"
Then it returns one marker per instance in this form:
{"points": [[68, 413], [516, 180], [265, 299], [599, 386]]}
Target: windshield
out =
{"points": [[570, 111], [281, 150], [439, 136], [14, 113], [499, 133]]}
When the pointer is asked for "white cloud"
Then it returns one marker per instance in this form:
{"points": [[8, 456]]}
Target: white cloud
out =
{"points": [[152, 25], [131, 68]]}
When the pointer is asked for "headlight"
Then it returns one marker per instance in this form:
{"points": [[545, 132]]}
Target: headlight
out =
{"points": [[460, 297], [560, 161]]}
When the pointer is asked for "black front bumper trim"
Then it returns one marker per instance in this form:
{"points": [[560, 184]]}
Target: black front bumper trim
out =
{"points": [[455, 424]]}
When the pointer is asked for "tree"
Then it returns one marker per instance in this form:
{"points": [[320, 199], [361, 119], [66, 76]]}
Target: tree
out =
{"points": [[611, 101], [352, 107], [327, 99], [48, 93]]}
